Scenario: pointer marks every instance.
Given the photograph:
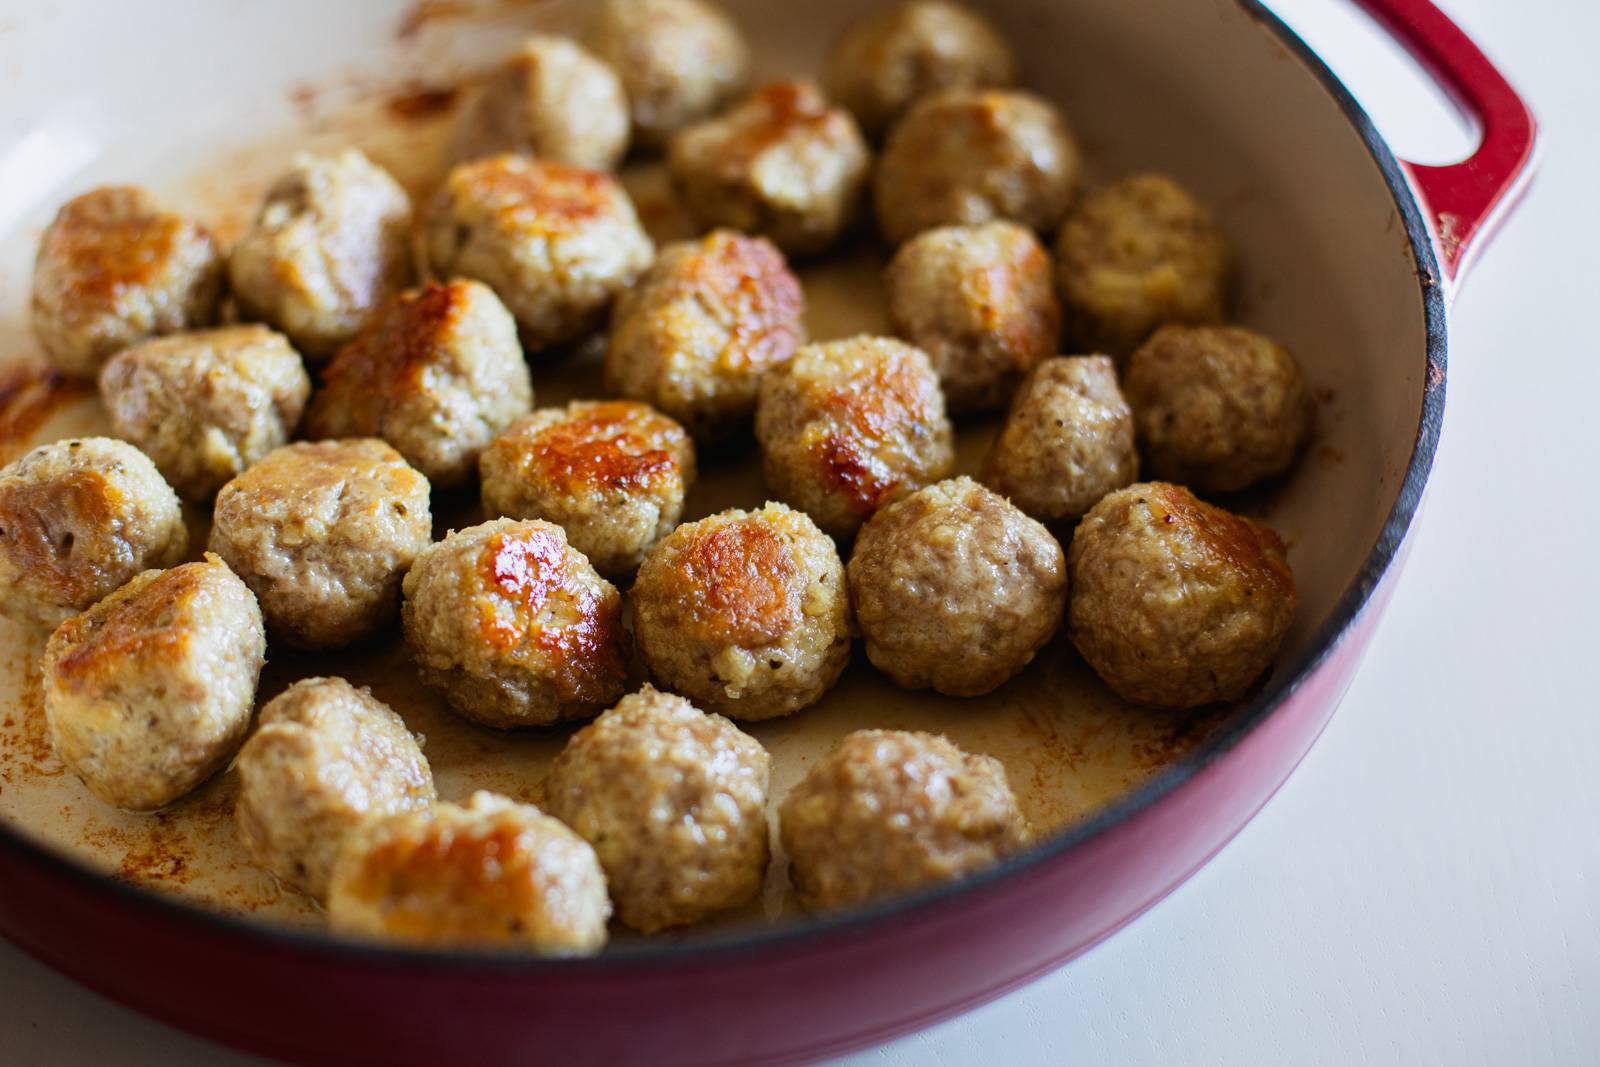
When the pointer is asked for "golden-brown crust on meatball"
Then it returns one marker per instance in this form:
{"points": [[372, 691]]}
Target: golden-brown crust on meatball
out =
{"points": [[1136, 254], [889, 811], [77, 519], [437, 373], [114, 269], [745, 613], [674, 802], [847, 425], [488, 873], [1219, 408], [1177, 603], [612, 473]]}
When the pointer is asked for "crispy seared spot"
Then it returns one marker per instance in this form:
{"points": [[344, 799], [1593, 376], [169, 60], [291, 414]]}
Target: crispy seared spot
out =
{"points": [[39, 523], [866, 410], [112, 238], [1220, 535], [739, 583], [534, 194], [604, 446], [1025, 327], [444, 881], [761, 298], [776, 111], [142, 621]]}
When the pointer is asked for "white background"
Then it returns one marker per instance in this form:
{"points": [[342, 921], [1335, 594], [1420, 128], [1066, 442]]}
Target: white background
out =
{"points": [[1425, 889]]}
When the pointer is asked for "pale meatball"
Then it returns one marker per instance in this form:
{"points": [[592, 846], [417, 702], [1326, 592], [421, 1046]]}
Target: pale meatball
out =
{"points": [[1177, 603], [331, 242], [744, 612], [679, 60], [891, 59], [783, 164], [514, 626], [981, 301], [612, 473], [325, 758], [1219, 408], [437, 373], [149, 693], [113, 269], [848, 425], [324, 533], [955, 588], [207, 404], [1137, 254], [77, 519], [555, 242], [1067, 441], [703, 326], [674, 801], [889, 811], [967, 156], [492, 872], [553, 99]]}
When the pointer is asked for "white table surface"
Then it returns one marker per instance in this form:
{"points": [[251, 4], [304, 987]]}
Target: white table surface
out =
{"points": [[1425, 889]]}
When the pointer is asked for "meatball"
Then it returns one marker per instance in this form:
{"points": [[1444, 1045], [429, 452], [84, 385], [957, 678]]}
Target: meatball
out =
{"points": [[981, 301], [325, 758], [1134, 255], [1067, 442], [784, 164], [1218, 408], [679, 60], [205, 405], [552, 99], [847, 425], [437, 374], [77, 519], [744, 612], [114, 269], [702, 327], [490, 872], [1177, 603], [331, 243], [514, 626], [890, 810], [323, 533], [955, 588], [612, 473], [555, 242], [964, 156], [675, 803], [148, 693], [891, 59]]}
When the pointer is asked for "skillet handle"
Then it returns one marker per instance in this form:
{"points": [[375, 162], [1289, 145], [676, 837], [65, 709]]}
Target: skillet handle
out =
{"points": [[1464, 201]]}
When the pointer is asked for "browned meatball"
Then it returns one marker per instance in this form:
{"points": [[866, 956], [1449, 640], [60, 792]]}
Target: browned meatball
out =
{"points": [[674, 802], [703, 326], [325, 758], [556, 243], [323, 534], [612, 473], [972, 155], [513, 626], [552, 99], [491, 872], [848, 425], [955, 588], [1067, 442], [437, 374], [783, 164], [1219, 408], [332, 242], [1135, 254], [679, 60], [1177, 603], [892, 58], [149, 693], [207, 404], [77, 519], [889, 811], [981, 301], [114, 269], [745, 612]]}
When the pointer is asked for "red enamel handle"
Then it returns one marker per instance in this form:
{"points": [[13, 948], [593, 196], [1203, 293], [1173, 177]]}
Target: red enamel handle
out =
{"points": [[1464, 201]]}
